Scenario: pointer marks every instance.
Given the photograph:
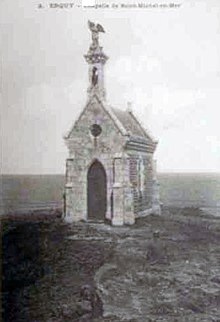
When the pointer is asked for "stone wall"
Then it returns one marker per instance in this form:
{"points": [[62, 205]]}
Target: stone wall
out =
{"points": [[83, 150], [129, 173], [141, 178]]}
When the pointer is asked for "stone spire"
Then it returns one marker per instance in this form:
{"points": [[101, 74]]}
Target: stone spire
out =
{"points": [[96, 60]]}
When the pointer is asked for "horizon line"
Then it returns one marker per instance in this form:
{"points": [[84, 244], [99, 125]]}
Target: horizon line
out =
{"points": [[63, 174]]}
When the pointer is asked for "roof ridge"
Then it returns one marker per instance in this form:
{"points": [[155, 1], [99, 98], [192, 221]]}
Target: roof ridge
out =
{"points": [[146, 131], [115, 119], [108, 110]]}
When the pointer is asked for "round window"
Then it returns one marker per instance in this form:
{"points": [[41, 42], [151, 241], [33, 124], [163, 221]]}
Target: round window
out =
{"points": [[96, 130]]}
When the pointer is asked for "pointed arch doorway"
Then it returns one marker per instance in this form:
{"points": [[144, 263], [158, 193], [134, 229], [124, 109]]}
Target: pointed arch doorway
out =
{"points": [[96, 191]]}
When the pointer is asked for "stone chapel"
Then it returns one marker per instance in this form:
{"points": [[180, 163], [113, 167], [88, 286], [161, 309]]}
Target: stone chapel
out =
{"points": [[110, 171]]}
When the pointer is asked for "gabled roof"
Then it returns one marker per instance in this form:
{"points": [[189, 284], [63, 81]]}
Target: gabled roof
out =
{"points": [[108, 110], [131, 124], [124, 120]]}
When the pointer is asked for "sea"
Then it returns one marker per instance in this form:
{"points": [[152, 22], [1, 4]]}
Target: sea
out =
{"points": [[25, 193]]}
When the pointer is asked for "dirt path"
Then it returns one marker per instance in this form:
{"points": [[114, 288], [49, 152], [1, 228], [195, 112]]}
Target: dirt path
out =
{"points": [[161, 269]]}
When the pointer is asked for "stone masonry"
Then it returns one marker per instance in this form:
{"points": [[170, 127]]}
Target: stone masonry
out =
{"points": [[110, 171]]}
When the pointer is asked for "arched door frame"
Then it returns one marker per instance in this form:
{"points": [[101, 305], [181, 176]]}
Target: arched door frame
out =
{"points": [[92, 205]]}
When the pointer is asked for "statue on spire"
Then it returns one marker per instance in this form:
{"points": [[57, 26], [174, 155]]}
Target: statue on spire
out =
{"points": [[95, 29]]}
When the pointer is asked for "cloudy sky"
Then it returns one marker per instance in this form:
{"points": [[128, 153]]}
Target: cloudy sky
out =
{"points": [[165, 61]]}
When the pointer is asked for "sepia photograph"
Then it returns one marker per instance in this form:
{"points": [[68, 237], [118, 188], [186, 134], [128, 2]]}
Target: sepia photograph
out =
{"points": [[110, 161]]}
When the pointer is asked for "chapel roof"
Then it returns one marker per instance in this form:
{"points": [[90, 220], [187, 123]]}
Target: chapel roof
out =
{"points": [[131, 124], [125, 121]]}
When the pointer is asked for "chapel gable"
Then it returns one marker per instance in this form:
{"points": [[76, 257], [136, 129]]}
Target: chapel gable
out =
{"points": [[110, 170]]}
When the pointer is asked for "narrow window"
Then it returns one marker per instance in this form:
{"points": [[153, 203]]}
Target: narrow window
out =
{"points": [[94, 76]]}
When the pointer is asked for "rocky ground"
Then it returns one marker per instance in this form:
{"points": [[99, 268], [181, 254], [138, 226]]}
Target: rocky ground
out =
{"points": [[163, 268]]}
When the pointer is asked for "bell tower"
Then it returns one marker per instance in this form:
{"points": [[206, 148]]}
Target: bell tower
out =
{"points": [[96, 60]]}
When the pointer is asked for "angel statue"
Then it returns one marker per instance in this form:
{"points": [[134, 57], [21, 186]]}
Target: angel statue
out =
{"points": [[95, 29]]}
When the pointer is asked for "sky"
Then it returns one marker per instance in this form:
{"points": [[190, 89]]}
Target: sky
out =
{"points": [[166, 62]]}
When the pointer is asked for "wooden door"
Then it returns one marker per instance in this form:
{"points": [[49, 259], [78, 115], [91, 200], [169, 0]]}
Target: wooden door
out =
{"points": [[96, 192]]}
